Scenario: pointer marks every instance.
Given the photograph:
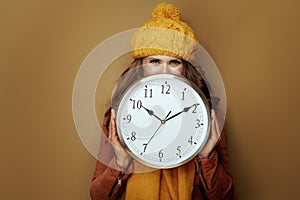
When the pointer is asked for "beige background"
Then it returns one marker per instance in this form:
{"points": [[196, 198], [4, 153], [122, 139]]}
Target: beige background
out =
{"points": [[42, 44]]}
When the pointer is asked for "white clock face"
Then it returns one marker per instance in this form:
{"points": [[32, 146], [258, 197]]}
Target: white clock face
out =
{"points": [[162, 121]]}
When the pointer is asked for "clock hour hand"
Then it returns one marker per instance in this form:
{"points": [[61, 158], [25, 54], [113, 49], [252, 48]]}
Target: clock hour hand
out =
{"points": [[186, 109], [150, 112]]}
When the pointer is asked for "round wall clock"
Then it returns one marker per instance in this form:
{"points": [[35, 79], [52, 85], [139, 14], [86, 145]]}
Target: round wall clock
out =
{"points": [[163, 121]]}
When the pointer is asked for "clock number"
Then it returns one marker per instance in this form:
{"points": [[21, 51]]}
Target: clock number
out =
{"points": [[190, 140], [183, 93], [165, 89], [198, 124], [160, 154], [148, 92], [133, 136], [136, 104], [178, 151], [145, 147], [195, 108], [128, 118]]}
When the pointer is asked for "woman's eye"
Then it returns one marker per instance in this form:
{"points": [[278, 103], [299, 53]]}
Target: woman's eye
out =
{"points": [[154, 61], [175, 62]]}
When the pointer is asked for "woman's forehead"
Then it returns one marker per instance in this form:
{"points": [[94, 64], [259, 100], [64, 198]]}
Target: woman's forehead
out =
{"points": [[161, 57]]}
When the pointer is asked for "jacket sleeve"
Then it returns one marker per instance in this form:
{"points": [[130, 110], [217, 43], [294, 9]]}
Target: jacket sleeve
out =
{"points": [[214, 172], [109, 180]]}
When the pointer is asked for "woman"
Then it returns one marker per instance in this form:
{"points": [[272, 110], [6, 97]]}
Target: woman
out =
{"points": [[205, 177]]}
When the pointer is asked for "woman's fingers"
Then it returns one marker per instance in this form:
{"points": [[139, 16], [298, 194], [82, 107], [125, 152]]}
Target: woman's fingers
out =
{"points": [[112, 128], [213, 125], [123, 159], [216, 132], [213, 139], [113, 124]]}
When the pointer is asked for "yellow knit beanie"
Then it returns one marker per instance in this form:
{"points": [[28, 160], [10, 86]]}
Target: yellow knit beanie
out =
{"points": [[165, 34]]}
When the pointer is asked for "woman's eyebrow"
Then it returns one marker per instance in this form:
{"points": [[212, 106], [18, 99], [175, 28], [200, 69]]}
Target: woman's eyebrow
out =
{"points": [[176, 59], [151, 58]]}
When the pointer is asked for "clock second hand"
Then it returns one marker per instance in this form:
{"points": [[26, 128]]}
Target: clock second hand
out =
{"points": [[162, 122]]}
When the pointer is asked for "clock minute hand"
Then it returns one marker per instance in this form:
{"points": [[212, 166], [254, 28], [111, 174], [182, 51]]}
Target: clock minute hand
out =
{"points": [[186, 109]]}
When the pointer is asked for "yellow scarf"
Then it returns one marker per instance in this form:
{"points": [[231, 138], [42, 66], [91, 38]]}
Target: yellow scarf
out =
{"points": [[165, 184]]}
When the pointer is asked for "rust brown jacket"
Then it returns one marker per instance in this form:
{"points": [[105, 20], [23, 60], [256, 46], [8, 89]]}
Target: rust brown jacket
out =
{"points": [[212, 180]]}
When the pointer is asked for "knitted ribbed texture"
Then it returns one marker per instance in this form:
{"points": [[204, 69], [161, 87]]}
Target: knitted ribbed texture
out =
{"points": [[165, 34]]}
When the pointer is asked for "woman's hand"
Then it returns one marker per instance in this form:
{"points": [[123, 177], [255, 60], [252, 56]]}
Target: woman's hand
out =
{"points": [[215, 134], [123, 159]]}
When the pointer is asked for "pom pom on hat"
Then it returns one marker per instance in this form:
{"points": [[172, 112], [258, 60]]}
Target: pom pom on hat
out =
{"points": [[167, 11], [165, 34]]}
